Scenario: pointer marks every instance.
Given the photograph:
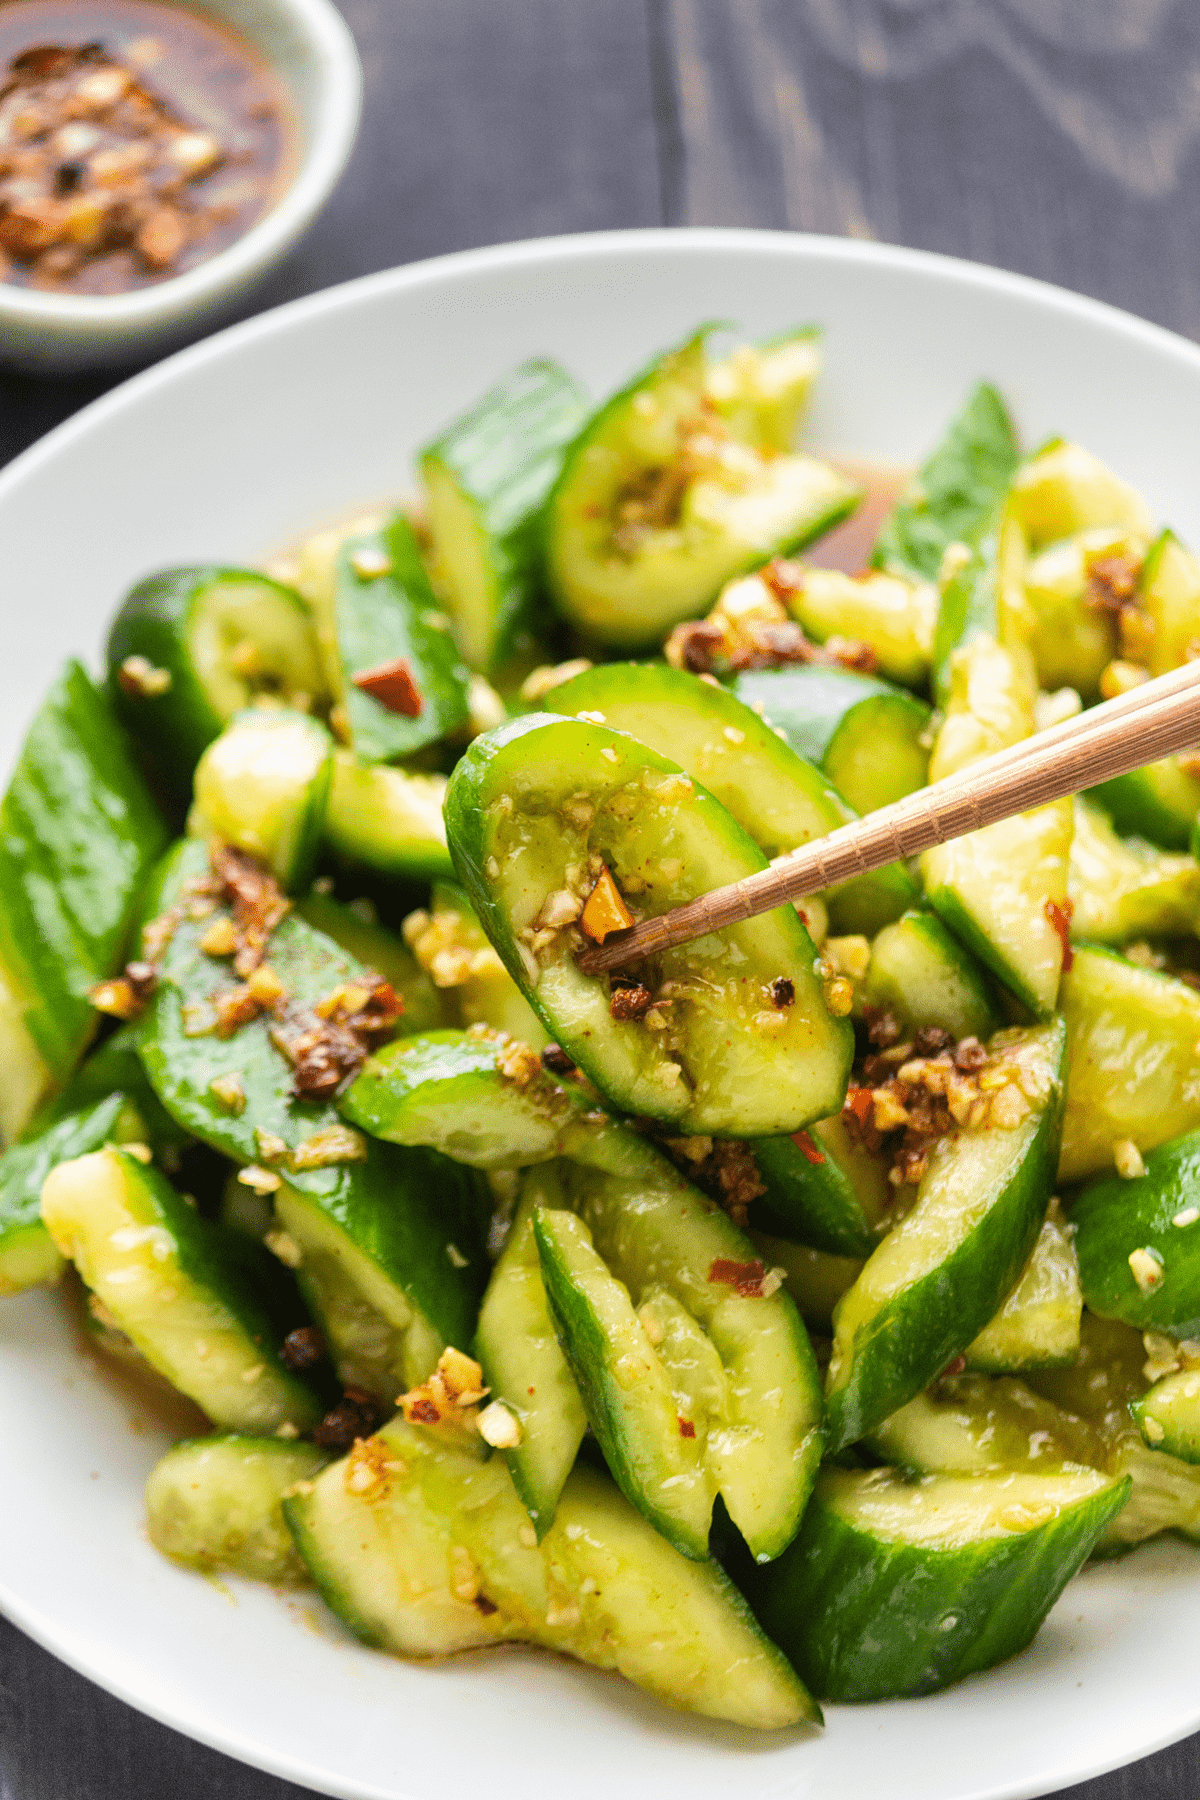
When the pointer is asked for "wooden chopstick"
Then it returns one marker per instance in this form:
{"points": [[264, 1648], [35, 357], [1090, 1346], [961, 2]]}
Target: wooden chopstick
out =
{"points": [[1157, 719]]}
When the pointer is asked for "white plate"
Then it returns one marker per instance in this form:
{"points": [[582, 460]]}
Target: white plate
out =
{"points": [[233, 449]]}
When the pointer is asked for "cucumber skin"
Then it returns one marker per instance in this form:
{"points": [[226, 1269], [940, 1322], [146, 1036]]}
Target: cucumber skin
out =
{"points": [[956, 489], [79, 833], [813, 1202], [27, 1254], [814, 705], [1138, 807], [1172, 1407], [257, 1545], [384, 617], [1116, 1216], [922, 1329], [861, 1619]]}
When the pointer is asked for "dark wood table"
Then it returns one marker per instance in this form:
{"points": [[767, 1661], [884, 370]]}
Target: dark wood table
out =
{"points": [[1056, 137]]}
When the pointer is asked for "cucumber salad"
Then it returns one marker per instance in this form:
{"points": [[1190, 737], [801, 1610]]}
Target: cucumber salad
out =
{"points": [[783, 1319]]}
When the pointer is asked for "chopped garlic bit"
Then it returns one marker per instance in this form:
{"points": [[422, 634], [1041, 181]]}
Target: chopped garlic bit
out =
{"points": [[270, 1147], [142, 1152], [1152, 1430], [498, 1427], [1128, 1159], [1187, 1217], [283, 1245], [454, 1388], [263, 1181], [552, 675], [139, 678], [1147, 1269], [485, 709], [369, 562], [850, 956], [336, 1144]]}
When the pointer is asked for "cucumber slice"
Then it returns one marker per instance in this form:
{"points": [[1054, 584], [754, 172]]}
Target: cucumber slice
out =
{"points": [[894, 615], [217, 1503], [942, 1272], [374, 605], [956, 490], [657, 506], [116, 1068], [1170, 593], [654, 1231], [1065, 489], [28, 1256], [474, 986], [626, 1392], [1073, 641], [528, 806], [203, 1308], [1136, 1263], [263, 786], [1123, 888], [480, 1099], [369, 943], [761, 390], [1134, 1061], [387, 820], [523, 1364], [900, 1587], [1100, 1389], [1161, 802], [1169, 1415], [975, 1425], [486, 480], [923, 976], [868, 737], [1038, 1325], [815, 1280], [78, 834], [775, 796], [983, 597], [372, 1232], [421, 1550], [823, 1188], [224, 637]]}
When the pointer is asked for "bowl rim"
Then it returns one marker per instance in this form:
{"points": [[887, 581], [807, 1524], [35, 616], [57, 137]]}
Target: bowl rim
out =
{"points": [[331, 53], [465, 266]]}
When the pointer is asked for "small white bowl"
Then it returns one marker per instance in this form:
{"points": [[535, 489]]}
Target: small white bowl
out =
{"points": [[309, 45]]}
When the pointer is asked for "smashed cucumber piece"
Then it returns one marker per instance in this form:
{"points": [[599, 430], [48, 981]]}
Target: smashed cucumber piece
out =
{"points": [[1137, 1242], [815, 1279], [1064, 489], [207, 1310], [473, 985], [761, 390], [921, 974], [386, 819], [899, 1587], [1073, 641], [941, 1273], [721, 740], [1038, 1325], [421, 1549], [1122, 888], [263, 786], [658, 504], [976, 1424], [217, 1503], [1170, 593], [1169, 1415], [28, 1255], [535, 811], [356, 929], [823, 1188], [894, 615]]}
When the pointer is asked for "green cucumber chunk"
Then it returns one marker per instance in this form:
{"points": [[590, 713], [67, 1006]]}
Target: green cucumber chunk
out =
{"points": [[956, 490], [1169, 1415], [200, 1305], [658, 505], [523, 1364], [387, 819], [225, 638], [474, 985], [822, 1188], [1100, 1389], [471, 1094], [894, 615], [1138, 1244], [939, 1276], [263, 786], [532, 806], [486, 479], [1160, 801], [361, 1214], [422, 1550], [28, 1256], [761, 1437], [1133, 1036], [761, 390], [1064, 489], [900, 1587], [978, 1425], [217, 1503], [1073, 641], [355, 928], [1122, 887], [113, 1068], [1037, 1327], [627, 1393], [78, 835], [921, 974], [781, 800], [815, 1279], [870, 738], [1170, 593]]}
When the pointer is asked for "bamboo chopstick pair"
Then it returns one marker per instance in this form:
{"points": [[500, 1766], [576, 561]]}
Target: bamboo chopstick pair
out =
{"points": [[1157, 719]]}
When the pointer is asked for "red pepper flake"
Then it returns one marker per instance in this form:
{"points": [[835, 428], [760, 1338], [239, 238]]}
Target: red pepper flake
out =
{"points": [[1060, 918], [745, 1277], [424, 1412], [860, 1101], [686, 1428], [807, 1148], [392, 684], [954, 1368]]}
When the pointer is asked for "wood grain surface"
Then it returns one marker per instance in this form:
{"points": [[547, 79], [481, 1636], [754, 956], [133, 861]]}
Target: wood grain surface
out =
{"points": [[1060, 138]]}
